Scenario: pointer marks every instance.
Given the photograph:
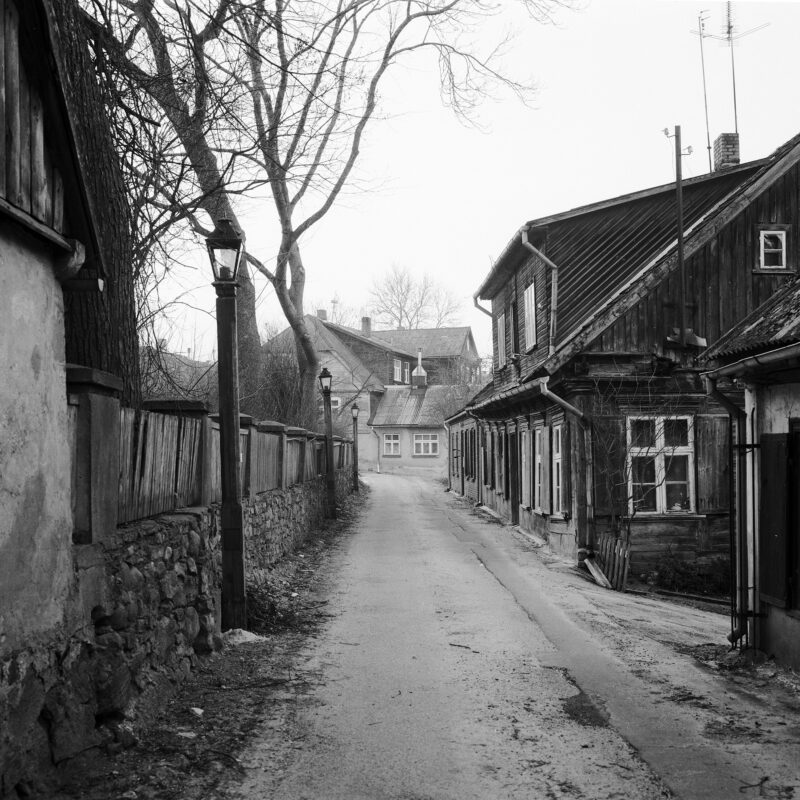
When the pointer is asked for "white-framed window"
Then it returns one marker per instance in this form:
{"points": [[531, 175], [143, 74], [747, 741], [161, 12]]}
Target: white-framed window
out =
{"points": [[525, 449], [538, 469], [530, 317], [406, 372], [426, 444], [391, 444], [772, 249], [398, 370], [660, 465], [501, 340], [557, 473], [336, 403]]}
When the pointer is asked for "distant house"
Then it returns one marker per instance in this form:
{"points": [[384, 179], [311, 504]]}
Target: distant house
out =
{"points": [[597, 419], [366, 364], [762, 354]]}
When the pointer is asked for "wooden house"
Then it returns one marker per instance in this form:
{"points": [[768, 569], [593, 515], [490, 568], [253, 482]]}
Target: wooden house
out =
{"points": [[762, 355], [597, 419], [366, 364]]}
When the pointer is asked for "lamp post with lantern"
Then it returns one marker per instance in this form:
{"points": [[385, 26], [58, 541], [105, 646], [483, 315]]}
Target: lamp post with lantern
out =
{"points": [[325, 382], [354, 411], [225, 251]]}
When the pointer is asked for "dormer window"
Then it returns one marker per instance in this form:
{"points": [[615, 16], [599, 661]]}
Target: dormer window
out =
{"points": [[773, 251]]}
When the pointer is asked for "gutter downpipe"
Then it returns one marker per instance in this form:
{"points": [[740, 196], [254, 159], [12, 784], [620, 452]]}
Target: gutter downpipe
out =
{"points": [[584, 423], [378, 437], [481, 476], [479, 306], [553, 286], [738, 488], [449, 457]]}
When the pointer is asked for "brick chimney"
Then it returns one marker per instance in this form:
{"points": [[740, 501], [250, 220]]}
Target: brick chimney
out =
{"points": [[366, 326], [322, 314], [726, 151], [419, 378]]}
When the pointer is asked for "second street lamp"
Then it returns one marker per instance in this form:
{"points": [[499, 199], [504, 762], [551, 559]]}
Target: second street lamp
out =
{"points": [[325, 382], [354, 411], [225, 250]]}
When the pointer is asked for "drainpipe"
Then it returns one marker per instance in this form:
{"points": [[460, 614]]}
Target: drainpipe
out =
{"points": [[479, 306], [449, 457], [576, 412], [553, 287], [738, 492], [480, 453], [378, 437]]}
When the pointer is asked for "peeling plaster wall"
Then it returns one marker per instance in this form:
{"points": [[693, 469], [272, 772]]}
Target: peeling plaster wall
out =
{"points": [[35, 514]]}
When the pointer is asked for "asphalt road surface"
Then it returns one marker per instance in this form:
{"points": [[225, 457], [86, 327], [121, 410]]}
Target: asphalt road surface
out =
{"points": [[457, 663]]}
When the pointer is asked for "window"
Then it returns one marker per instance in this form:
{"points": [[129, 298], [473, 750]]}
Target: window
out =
{"points": [[772, 249], [501, 341], [406, 373], [336, 402], [397, 370], [530, 317], [391, 444], [537, 469], [426, 444], [525, 449], [660, 464], [557, 471], [501, 457]]}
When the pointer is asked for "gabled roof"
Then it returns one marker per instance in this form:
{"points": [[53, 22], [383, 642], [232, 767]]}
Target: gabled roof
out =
{"points": [[434, 342], [610, 254], [404, 406], [381, 344], [325, 341], [773, 324]]}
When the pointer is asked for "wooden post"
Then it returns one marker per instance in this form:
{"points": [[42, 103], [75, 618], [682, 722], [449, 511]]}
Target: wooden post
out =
{"points": [[355, 453], [234, 601]]}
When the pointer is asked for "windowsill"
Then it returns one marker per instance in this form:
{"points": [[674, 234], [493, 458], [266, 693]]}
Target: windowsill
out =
{"points": [[667, 515], [392, 455], [774, 271], [430, 455]]}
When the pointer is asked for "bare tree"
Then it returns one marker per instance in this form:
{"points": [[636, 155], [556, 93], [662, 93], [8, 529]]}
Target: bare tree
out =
{"points": [[399, 300], [280, 94]]}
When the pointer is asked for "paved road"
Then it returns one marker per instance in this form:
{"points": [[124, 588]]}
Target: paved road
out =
{"points": [[458, 664]]}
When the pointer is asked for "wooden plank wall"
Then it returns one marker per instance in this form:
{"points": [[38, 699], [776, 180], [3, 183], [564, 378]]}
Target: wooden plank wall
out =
{"points": [[29, 179]]}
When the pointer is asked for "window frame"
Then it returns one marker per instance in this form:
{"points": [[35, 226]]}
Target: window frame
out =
{"points": [[406, 372], [538, 468], [390, 442], [775, 229], [658, 452], [398, 371], [423, 439], [556, 469], [530, 317], [500, 324]]}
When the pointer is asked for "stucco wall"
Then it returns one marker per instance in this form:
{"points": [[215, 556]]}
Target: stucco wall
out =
{"points": [[407, 461], [35, 516]]}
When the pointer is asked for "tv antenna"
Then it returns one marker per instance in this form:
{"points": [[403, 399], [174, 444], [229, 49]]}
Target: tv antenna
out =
{"points": [[731, 37], [701, 33]]}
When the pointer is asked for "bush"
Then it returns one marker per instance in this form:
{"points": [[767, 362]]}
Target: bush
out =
{"points": [[709, 576]]}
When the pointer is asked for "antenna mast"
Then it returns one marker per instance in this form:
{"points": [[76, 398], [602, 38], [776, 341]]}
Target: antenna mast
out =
{"points": [[701, 32]]}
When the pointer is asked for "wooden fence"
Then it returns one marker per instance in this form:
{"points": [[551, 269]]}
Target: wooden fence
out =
{"points": [[613, 555], [170, 461]]}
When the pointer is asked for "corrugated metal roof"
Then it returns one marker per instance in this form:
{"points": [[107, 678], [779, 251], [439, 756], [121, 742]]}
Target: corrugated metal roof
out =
{"points": [[403, 406], [371, 339], [434, 342], [773, 324]]}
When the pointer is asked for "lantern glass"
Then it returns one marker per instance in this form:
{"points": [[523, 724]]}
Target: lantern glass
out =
{"points": [[225, 250], [325, 380], [354, 410]]}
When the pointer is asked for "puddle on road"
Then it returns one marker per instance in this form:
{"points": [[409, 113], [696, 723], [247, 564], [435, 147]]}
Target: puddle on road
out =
{"points": [[583, 711]]}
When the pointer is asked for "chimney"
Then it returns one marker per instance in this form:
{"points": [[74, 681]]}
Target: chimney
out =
{"points": [[726, 151], [322, 314], [366, 326], [419, 378]]}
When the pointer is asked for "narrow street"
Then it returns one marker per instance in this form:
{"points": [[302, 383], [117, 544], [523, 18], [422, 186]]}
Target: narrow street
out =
{"points": [[457, 663]]}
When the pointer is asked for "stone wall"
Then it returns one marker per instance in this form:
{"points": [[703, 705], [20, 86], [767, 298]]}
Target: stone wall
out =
{"points": [[144, 608]]}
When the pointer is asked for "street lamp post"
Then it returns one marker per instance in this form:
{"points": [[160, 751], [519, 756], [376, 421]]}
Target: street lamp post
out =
{"points": [[325, 381], [354, 410], [225, 250]]}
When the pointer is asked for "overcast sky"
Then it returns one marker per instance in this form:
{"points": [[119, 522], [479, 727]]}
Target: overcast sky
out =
{"points": [[445, 199]]}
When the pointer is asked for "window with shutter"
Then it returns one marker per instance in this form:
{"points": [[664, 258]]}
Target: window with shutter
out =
{"points": [[501, 341], [530, 317]]}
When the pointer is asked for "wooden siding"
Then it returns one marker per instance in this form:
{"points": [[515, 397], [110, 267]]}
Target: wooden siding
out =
{"points": [[723, 285], [29, 180]]}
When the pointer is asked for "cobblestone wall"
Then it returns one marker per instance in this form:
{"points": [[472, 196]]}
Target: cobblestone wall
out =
{"points": [[144, 608]]}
